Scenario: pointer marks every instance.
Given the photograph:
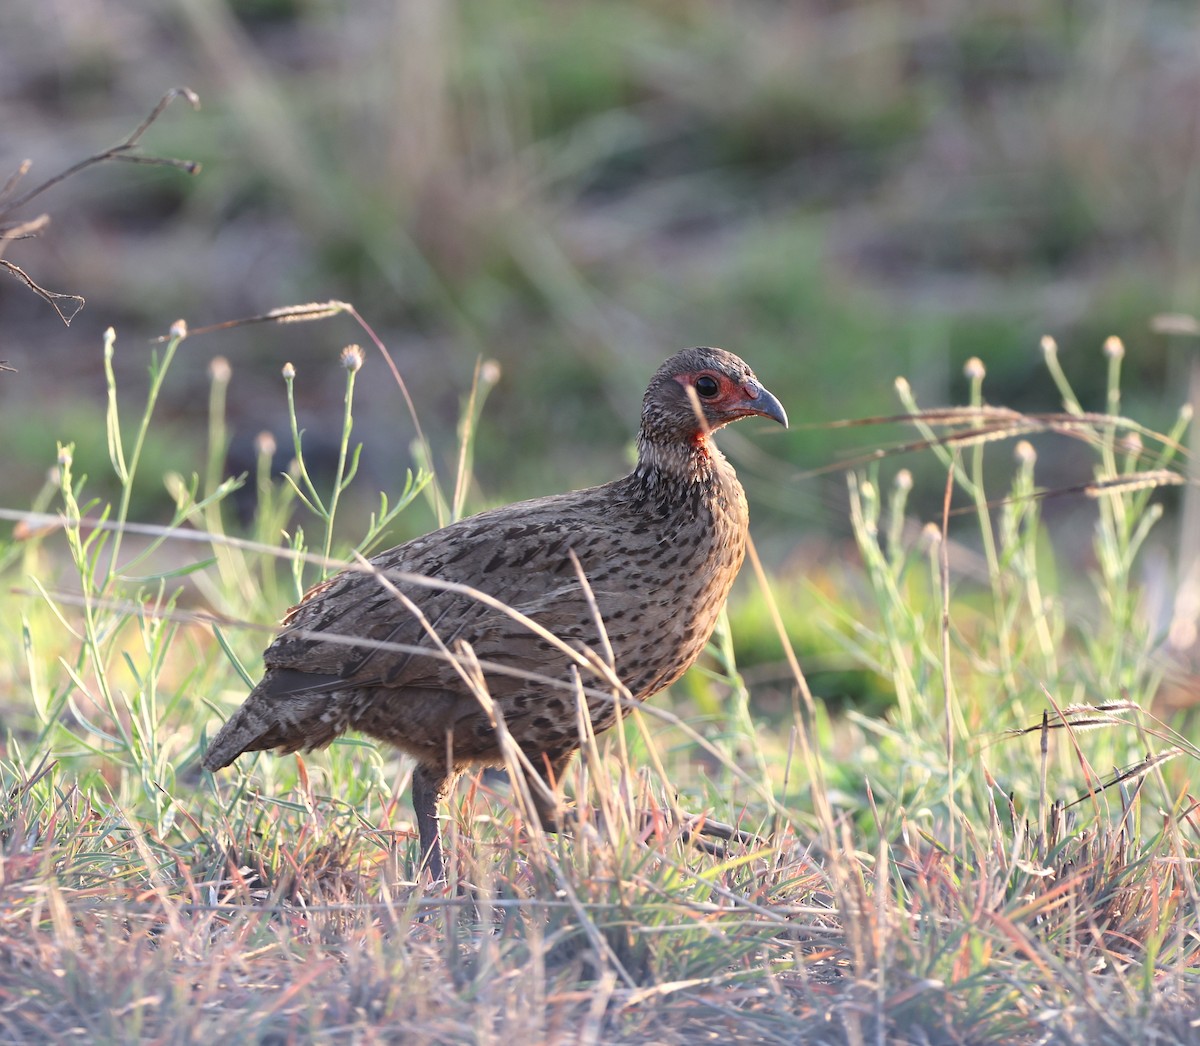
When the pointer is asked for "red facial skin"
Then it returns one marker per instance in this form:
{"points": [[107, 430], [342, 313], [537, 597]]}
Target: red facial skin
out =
{"points": [[733, 400]]}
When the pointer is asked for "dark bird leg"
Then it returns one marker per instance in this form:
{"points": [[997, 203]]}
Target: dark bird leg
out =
{"points": [[429, 787], [553, 812]]}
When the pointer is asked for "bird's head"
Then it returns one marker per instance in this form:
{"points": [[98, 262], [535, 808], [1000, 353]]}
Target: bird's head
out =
{"points": [[699, 390]]}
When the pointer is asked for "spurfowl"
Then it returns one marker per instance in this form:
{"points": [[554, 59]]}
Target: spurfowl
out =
{"points": [[370, 649]]}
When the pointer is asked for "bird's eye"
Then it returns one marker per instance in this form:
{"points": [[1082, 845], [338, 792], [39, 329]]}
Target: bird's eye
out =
{"points": [[707, 386]]}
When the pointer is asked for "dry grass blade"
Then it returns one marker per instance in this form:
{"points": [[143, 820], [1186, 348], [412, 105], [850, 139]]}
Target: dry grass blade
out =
{"points": [[1077, 717], [1135, 481], [976, 426], [1175, 323], [306, 313], [1136, 772]]}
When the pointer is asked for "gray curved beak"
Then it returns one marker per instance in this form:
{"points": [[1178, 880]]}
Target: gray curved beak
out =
{"points": [[768, 406]]}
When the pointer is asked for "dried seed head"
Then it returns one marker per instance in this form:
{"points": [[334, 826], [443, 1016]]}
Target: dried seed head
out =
{"points": [[1174, 323], [352, 358], [489, 372], [289, 372], [1131, 444], [1114, 348], [314, 310], [264, 445], [1025, 453], [219, 369], [179, 329], [974, 369]]}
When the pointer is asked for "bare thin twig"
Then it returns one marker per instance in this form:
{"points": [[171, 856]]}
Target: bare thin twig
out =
{"points": [[121, 151], [68, 305]]}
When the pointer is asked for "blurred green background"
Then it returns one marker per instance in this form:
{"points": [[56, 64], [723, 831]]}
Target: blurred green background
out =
{"points": [[842, 193]]}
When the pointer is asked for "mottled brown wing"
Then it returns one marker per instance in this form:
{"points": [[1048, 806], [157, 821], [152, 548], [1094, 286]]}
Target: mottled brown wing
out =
{"points": [[519, 555]]}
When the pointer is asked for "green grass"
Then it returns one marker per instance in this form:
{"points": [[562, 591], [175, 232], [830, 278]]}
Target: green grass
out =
{"points": [[964, 867]]}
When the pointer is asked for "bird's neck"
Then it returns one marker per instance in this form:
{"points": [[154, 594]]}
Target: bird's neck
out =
{"points": [[680, 462], [689, 481]]}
